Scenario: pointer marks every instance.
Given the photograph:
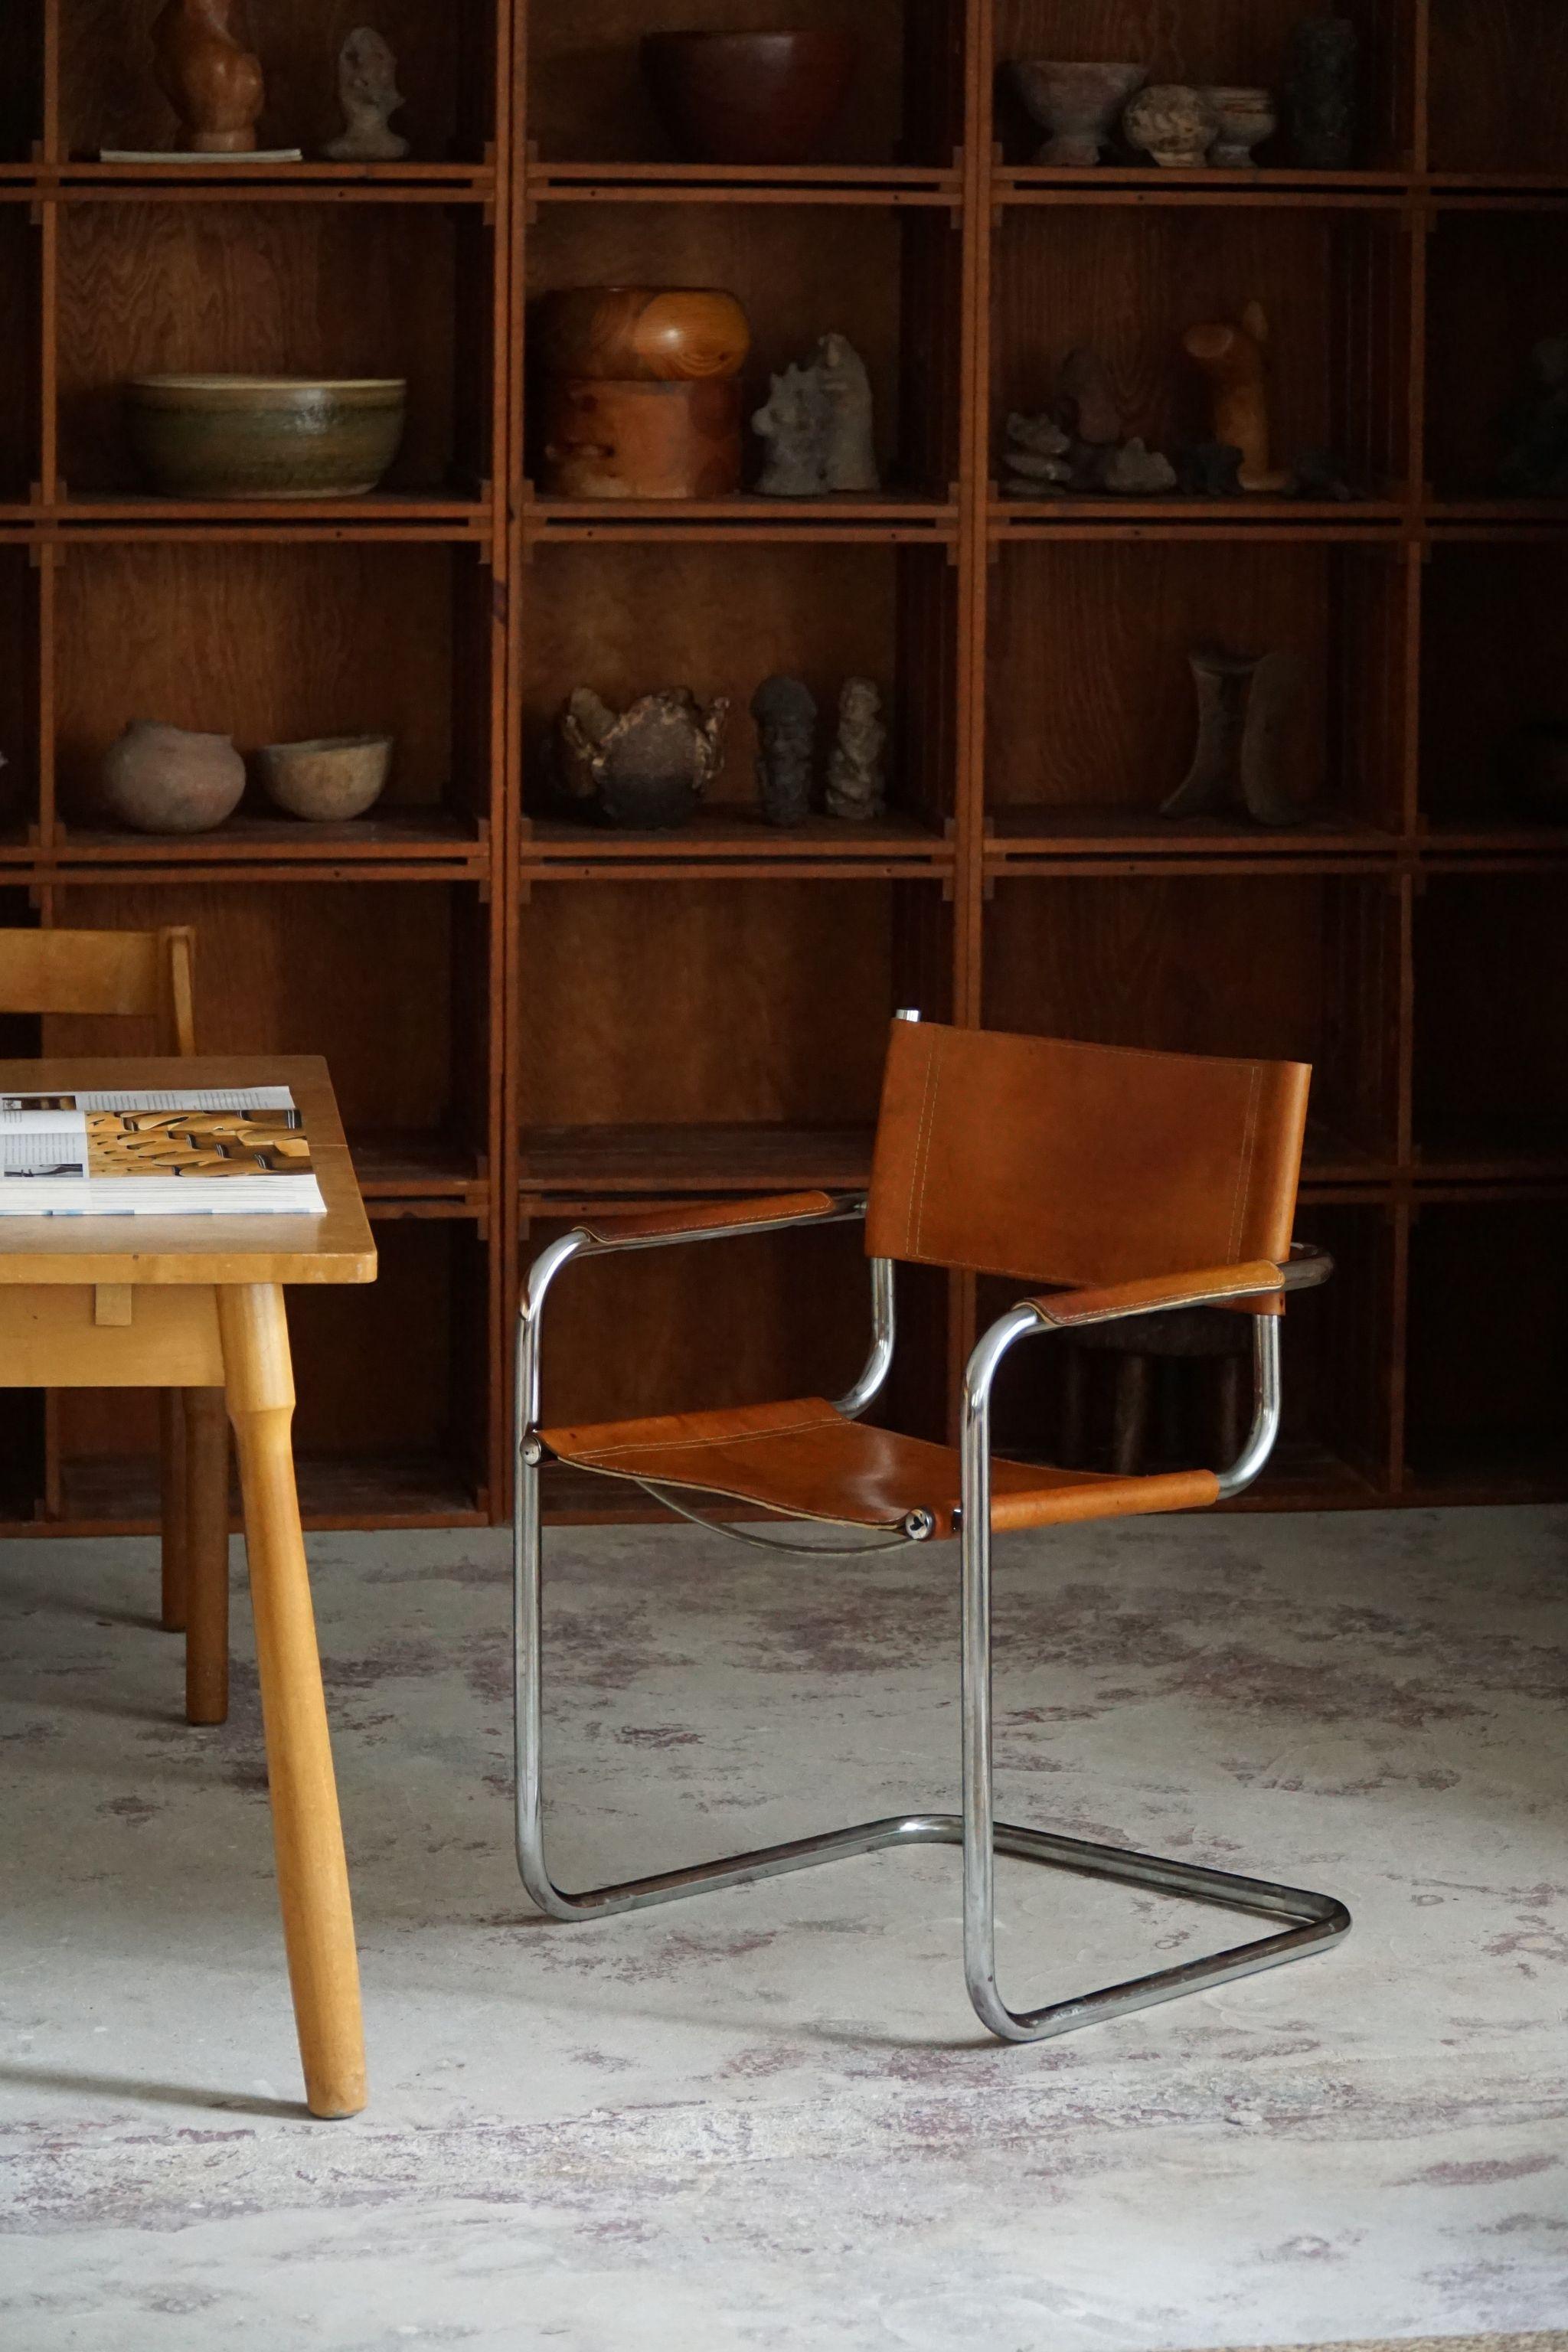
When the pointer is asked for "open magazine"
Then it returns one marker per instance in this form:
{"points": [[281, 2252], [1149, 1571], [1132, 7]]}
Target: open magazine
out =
{"points": [[223, 1152]]}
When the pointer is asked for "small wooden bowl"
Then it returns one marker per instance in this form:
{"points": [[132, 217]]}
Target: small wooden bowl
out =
{"points": [[749, 97], [260, 436], [329, 780], [643, 334], [641, 440]]}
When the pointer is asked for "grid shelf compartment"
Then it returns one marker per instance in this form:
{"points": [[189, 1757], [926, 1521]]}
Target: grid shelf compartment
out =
{"points": [[1491, 1024], [889, 280], [1499, 89], [1091, 711], [391, 1413], [160, 286], [1295, 966], [1334, 1446], [20, 352], [388, 979], [21, 83], [1495, 280], [1210, 41], [297, 641], [446, 59], [19, 684], [1491, 662], [1489, 1352], [628, 620], [587, 101], [1130, 281]]}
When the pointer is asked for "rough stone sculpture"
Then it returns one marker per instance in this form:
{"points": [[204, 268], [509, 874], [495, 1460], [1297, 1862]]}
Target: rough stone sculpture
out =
{"points": [[1081, 445], [647, 769], [1135, 471], [856, 787], [1085, 402], [208, 76], [784, 710], [1247, 706], [1319, 92], [818, 427], [1534, 427], [367, 86], [1175, 125], [1234, 359]]}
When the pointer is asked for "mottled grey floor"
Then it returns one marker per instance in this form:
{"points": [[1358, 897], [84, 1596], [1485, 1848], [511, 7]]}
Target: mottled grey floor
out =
{"points": [[768, 2120]]}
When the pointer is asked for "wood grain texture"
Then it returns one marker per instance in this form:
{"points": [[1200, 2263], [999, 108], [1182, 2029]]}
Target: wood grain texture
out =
{"points": [[1500, 86], [1493, 633], [297, 642], [290, 289], [109, 99], [1491, 1016]]}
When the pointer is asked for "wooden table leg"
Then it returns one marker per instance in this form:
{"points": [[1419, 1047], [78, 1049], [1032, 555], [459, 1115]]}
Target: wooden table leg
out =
{"points": [[313, 1874], [207, 1555], [171, 1489]]}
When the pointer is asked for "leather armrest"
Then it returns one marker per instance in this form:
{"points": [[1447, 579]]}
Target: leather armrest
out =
{"points": [[703, 1219], [1215, 1285]]}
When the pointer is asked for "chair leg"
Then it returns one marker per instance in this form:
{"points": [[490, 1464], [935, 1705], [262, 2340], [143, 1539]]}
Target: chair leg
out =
{"points": [[1317, 1920], [207, 1555], [171, 1505]]}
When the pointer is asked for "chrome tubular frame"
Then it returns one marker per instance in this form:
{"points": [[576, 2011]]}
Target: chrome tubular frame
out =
{"points": [[1313, 1919]]}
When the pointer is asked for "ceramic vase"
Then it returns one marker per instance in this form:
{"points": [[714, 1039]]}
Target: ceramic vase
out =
{"points": [[208, 76], [157, 778], [1078, 105], [1175, 125], [1246, 118]]}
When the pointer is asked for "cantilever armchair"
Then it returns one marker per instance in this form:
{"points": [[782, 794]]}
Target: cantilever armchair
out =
{"points": [[1134, 1183]]}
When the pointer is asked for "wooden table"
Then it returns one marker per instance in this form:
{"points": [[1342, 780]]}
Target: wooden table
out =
{"points": [[197, 1303]]}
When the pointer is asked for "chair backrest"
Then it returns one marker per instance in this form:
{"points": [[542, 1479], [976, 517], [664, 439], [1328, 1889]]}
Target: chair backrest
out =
{"points": [[149, 973], [1055, 1163]]}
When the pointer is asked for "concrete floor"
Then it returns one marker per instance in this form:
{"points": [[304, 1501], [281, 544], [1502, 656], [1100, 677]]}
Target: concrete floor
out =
{"points": [[768, 2119]]}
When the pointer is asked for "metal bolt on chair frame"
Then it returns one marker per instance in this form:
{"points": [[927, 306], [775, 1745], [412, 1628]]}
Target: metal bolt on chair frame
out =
{"points": [[999, 1154]]}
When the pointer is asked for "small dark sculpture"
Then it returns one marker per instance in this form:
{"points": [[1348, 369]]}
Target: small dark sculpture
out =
{"points": [[1247, 705], [644, 770], [367, 86], [818, 427], [1320, 92], [1086, 406], [1319, 474], [1080, 446], [1136, 471], [1037, 457], [855, 785], [1210, 469], [784, 710], [1534, 427]]}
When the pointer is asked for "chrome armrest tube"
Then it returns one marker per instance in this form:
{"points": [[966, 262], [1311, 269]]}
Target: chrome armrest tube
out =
{"points": [[880, 1362]]}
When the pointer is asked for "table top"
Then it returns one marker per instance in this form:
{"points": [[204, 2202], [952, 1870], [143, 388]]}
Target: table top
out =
{"points": [[337, 1247]]}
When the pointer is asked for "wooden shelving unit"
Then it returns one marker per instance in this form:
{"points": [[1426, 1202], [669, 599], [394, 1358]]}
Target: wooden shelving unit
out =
{"points": [[526, 1017]]}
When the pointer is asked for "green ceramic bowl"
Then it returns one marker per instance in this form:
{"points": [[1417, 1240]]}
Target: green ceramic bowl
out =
{"points": [[265, 436]]}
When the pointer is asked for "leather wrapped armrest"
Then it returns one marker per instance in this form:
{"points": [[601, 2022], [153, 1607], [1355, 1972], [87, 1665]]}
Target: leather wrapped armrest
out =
{"points": [[706, 1220], [1258, 1284]]}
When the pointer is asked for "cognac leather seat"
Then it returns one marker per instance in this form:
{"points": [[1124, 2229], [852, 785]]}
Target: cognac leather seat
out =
{"points": [[805, 1460]]}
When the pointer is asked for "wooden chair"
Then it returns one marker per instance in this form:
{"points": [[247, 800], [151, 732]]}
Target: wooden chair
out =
{"points": [[1145, 1183], [150, 975]]}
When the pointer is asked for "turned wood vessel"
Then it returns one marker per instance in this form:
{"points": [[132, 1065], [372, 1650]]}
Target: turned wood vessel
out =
{"points": [[641, 440], [749, 97], [208, 76], [643, 334]]}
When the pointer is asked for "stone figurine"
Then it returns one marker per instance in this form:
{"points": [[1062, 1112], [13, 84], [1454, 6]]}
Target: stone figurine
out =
{"points": [[784, 710], [1234, 359], [1247, 706], [1080, 445], [857, 785], [818, 427], [1534, 427], [644, 770], [1175, 125], [367, 86], [208, 76], [1320, 92]]}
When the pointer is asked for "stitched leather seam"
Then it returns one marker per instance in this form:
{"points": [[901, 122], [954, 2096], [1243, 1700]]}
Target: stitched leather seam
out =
{"points": [[1149, 1306], [687, 1444], [916, 1220], [1243, 1164]]}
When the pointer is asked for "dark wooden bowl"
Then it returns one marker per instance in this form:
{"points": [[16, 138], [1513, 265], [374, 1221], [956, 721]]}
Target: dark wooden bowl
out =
{"points": [[749, 97]]}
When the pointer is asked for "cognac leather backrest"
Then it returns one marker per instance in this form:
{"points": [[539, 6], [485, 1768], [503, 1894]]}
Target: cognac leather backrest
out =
{"points": [[150, 973], [1056, 1162]]}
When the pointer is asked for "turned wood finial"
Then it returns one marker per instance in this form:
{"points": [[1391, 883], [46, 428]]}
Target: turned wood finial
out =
{"points": [[208, 76], [1234, 358]]}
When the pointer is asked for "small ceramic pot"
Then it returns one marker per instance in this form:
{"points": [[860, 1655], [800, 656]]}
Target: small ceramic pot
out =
{"points": [[1538, 772], [749, 97], [1175, 125], [1246, 118], [253, 436], [642, 334], [641, 440], [1080, 105], [329, 780], [166, 779]]}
